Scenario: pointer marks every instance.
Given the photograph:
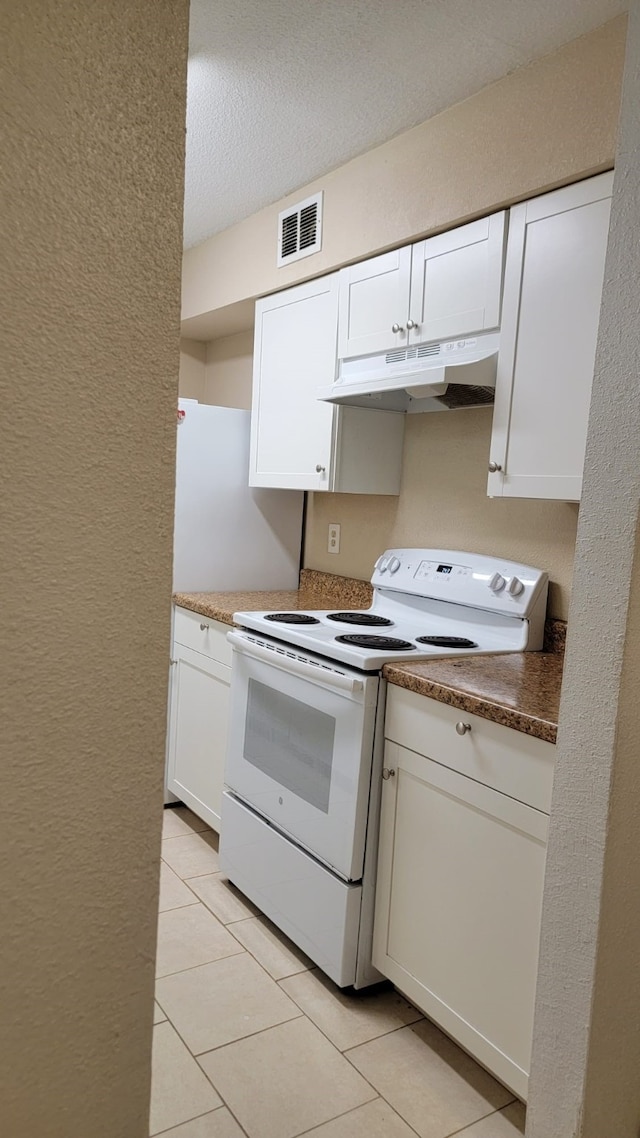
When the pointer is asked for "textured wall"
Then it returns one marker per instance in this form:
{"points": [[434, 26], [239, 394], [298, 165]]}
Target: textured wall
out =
{"points": [[443, 503], [545, 124], [587, 1040], [90, 232]]}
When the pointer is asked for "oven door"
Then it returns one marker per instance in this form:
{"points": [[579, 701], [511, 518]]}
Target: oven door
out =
{"points": [[300, 746]]}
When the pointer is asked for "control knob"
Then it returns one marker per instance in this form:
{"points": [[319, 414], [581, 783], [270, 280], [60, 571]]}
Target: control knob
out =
{"points": [[382, 564], [394, 565], [497, 583], [515, 587]]}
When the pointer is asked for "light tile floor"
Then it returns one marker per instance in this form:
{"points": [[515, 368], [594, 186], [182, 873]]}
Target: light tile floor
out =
{"points": [[252, 1041]]}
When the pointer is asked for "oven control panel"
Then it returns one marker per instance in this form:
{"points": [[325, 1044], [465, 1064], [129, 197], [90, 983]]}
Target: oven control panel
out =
{"points": [[462, 578]]}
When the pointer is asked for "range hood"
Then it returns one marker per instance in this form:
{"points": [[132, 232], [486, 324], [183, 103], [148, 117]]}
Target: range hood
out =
{"points": [[450, 375]]}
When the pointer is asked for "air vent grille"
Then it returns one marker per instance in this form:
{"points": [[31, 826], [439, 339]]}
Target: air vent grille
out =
{"points": [[401, 355], [300, 230]]}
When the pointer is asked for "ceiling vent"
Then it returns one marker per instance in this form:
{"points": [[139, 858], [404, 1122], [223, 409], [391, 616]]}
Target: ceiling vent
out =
{"points": [[300, 230]]}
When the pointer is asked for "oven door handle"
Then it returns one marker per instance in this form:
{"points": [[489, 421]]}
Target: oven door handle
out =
{"points": [[293, 665]]}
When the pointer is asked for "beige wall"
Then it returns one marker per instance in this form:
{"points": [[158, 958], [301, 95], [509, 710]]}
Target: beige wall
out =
{"points": [[90, 235], [193, 356], [545, 124], [228, 372], [443, 504]]}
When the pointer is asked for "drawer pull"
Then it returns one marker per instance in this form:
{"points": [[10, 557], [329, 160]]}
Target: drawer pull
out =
{"points": [[462, 728], [388, 773], [204, 627]]}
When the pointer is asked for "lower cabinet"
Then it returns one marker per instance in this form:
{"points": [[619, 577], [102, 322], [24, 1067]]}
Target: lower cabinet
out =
{"points": [[460, 877], [199, 713]]}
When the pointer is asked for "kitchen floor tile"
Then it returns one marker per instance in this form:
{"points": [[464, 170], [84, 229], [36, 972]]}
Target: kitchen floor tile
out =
{"points": [[158, 1014], [179, 1090], [193, 855], [179, 820], [348, 1019], [173, 892], [285, 1081], [218, 1124], [373, 1120], [271, 948], [437, 1088], [225, 901], [189, 937], [507, 1123], [224, 1001]]}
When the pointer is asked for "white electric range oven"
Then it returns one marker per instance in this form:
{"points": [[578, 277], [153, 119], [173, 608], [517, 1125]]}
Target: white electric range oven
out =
{"points": [[304, 759]]}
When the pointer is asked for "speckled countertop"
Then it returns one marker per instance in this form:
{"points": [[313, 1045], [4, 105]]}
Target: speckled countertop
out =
{"points": [[317, 591], [518, 689]]}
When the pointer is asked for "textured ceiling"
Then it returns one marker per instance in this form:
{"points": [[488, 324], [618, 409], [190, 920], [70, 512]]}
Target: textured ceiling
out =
{"points": [[281, 91]]}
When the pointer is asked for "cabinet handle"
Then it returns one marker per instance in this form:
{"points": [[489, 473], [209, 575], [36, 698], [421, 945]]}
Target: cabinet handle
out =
{"points": [[204, 627], [412, 324], [462, 728], [494, 467], [319, 469], [387, 773], [397, 328]]}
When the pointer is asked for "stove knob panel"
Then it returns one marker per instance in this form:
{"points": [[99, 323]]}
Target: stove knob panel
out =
{"points": [[394, 565], [497, 583], [515, 587]]}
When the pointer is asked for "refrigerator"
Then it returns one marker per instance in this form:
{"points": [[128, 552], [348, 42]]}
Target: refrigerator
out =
{"points": [[228, 536]]}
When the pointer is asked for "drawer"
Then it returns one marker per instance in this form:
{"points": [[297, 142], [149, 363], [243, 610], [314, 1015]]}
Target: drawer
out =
{"points": [[202, 634], [507, 760]]}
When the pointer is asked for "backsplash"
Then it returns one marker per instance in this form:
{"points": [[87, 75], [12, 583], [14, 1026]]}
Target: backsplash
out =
{"points": [[443, 504]]}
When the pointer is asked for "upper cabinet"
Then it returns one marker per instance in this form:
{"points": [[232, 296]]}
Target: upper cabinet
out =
{"points": [[552, 290], [297, 441], [439, 289]]}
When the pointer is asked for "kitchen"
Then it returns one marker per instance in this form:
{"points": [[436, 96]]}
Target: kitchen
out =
{"points": [[616, 565], [441, 447]]}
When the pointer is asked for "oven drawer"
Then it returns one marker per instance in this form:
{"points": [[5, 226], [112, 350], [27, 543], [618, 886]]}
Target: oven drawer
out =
{"points": [[203, 634], [509, 761], [320, 913]]}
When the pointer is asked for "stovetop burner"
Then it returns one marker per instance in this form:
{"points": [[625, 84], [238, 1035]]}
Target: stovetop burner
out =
{"points": [[447, 641], [365, 618], [382, 643], [291, 618]]}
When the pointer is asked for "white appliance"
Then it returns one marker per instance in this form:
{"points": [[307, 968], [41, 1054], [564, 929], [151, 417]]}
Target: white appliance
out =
{"points": [[304, 760], [445, 376], [228, 536]]}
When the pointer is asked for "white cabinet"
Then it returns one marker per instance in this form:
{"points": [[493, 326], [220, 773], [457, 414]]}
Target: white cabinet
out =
{"points": [[439, 289], [199, 713], [297, 441], [460, 876], [552, 290]]}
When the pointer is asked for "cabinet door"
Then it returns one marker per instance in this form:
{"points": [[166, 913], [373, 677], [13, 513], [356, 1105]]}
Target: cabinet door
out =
{"points": [[458, 907], [456, 281], [292, 431], [198, 732], [551, 308], [374, 296]]}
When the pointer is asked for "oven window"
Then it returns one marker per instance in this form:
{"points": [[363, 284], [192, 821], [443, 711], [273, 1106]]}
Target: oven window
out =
{"points": [[290, 742]]}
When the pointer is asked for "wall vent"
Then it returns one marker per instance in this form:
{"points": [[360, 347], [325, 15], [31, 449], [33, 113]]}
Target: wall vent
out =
{"points": [[300, 230]]}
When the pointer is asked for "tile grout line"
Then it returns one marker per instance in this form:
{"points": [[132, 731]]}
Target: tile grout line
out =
{"points": [[192, 967], [211, 1083], [345, 1113], [475, 1122]]}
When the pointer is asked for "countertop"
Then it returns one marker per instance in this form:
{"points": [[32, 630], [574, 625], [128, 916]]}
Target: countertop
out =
{"points": [[518, 689], [317, 591]]}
